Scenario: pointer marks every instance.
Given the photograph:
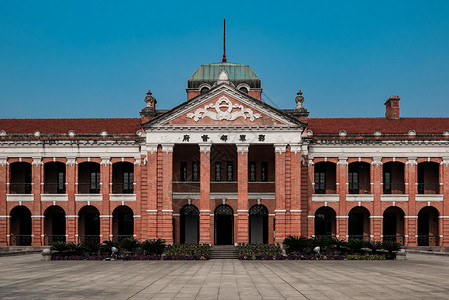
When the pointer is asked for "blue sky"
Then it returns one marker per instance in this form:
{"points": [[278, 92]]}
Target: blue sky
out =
{"points": [[79, 59]]}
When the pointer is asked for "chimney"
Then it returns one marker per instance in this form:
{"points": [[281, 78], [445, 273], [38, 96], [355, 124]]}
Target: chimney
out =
{"points": [[392, 108]]}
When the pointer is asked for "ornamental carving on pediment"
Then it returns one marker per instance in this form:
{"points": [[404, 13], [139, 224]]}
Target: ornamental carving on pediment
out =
{"points": [[223, 109]]}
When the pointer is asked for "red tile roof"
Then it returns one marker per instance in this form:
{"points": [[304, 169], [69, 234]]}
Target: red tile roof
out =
{"points": [[369, 125], [95, 126], [317, 125]]}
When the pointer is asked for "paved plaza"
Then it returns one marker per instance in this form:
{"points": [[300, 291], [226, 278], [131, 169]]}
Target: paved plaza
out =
{"points": [[419, 277]]}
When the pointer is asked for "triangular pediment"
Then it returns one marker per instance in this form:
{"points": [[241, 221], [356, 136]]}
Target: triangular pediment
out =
{"points": [[224, 106]]}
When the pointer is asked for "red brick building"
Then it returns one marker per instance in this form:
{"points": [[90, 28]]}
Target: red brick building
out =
{"points": [[225, 167]]}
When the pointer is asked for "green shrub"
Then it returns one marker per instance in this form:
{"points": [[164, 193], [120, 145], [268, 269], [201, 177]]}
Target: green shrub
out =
{"points": [[374, 246], [153, 247], [106, 246], [355, 245], [296, 244], [339, 245], [188, 249], [129, 244], [59, 246], [365, 257], [259, 250], [90, 247], [76, 249], [391, 246], [320, 241]]}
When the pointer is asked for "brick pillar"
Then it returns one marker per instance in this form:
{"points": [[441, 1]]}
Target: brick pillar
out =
{"points": [[138, 192], [444, 218], [342, 190], [71, 178], [376, 189], [295, 209], [106, 182], [4, 216], [242, 194], [165, 229], [311, 191], [205, 226], [280, 210], [37, 174], [150, 206], [411, 220]]}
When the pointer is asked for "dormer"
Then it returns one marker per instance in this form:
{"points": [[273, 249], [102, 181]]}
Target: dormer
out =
{"points": [[242, 77]]}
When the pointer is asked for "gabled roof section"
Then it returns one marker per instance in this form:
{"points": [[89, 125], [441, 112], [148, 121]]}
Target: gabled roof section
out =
{"points": [[238, 73], [187, 109]]}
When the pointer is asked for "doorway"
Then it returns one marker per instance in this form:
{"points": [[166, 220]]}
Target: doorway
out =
{"points": [[224, 225]]}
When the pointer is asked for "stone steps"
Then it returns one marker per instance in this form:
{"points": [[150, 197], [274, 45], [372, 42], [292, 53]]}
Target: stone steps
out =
{"points": [[224, 252]]}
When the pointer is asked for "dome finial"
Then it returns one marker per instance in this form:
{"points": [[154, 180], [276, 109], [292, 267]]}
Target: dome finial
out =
{"points": [[224, 41]]}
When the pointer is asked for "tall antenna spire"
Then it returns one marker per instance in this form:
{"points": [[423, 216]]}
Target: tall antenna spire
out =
{"points": [[224, 41]]}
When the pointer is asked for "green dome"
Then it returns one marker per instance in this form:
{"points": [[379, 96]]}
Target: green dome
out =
{"points": [[237, 74]]}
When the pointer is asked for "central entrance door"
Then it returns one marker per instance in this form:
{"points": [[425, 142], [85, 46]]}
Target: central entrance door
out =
{"points": [[224, 225]]}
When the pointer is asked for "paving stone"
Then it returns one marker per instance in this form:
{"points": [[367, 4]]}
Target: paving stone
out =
{"points": [[418, 277]]}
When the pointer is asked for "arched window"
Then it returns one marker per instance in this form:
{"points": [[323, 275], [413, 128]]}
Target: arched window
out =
{"points": [[204, 90], [244, 90]]}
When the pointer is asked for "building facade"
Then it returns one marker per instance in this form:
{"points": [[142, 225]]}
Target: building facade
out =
{"points": [[225, 167]]}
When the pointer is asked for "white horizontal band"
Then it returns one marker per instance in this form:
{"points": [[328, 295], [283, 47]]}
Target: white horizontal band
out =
{"points": [[152, 210]]}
